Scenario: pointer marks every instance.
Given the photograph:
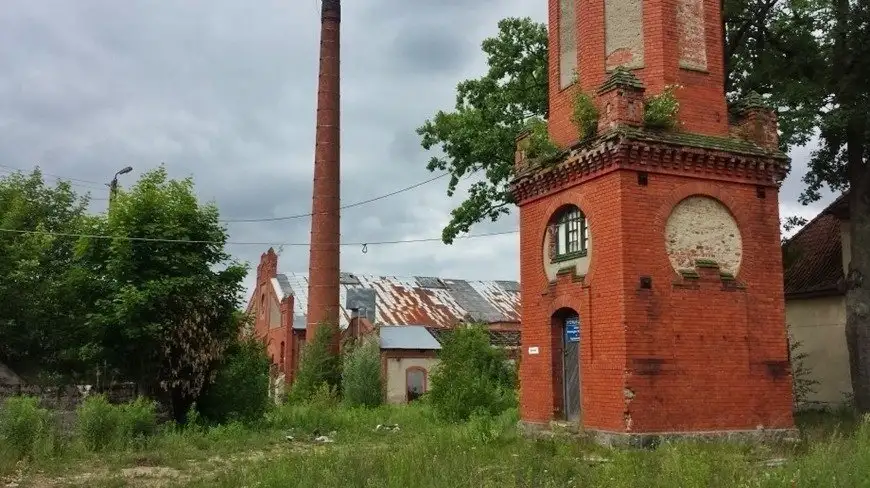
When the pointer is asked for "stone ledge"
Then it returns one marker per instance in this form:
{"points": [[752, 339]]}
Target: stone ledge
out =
{"points": [[648, 440], [644, 440]]}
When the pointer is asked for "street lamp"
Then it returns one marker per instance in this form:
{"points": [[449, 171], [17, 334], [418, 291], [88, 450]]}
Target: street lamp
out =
{"points": [[113, 186]]}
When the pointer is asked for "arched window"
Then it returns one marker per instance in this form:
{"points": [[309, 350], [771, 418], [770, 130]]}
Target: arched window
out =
{"points": [[415, 381], [282, 355], [570, 234]]}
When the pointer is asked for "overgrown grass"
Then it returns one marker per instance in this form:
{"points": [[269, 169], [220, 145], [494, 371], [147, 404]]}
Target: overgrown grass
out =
{"points": [[282, 449]]}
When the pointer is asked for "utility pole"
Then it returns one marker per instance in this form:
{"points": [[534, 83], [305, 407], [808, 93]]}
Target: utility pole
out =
{"points": [[113, 185]]}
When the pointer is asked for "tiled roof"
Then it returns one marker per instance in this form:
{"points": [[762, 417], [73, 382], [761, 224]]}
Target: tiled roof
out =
{"points": [[813, 258], [427, 301]]}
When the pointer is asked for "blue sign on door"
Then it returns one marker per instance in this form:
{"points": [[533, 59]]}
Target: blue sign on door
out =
{"points": [[572, 329]]}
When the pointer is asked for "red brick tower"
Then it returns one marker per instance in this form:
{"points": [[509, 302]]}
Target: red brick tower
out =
{"points": [[651, 267], [323, 267]]}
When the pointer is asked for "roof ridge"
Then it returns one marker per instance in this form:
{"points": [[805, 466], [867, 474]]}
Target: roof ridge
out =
{"points": [[408, 277]]}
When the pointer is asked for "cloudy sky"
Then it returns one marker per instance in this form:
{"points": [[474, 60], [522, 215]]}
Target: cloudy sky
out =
{"points": [[224, 90]]}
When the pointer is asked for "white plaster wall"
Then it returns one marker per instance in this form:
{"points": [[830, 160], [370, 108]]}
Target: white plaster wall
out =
{"points": [[820, 325], [623, 33], [567, 42], [692, 34], [703, 228], [395, 371]]}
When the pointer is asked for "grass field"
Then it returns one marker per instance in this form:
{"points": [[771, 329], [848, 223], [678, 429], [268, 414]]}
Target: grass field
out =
{"points": [[282, 451]]}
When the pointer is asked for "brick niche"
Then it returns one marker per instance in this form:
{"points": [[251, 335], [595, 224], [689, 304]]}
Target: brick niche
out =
{"points": [[680, 295]]}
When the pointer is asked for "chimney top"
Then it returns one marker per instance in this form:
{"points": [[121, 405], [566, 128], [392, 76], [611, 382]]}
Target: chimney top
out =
{"points": [[331, 10]]}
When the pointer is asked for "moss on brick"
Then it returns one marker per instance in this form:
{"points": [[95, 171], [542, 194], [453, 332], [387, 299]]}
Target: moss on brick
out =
{"points": [[690, 274], [621, 78], [706, 263], [569, 256]]}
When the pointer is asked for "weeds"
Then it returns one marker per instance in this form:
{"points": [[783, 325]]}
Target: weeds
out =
{"points": [[25, 428], [425, 450]]}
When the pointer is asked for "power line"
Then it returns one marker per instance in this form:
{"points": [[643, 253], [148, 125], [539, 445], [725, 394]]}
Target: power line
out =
{"points": [[357, 204], [81, 182], [364, 244]]}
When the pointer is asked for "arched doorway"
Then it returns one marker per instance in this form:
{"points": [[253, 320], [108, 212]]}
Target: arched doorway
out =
{"points": [[566, 364]]}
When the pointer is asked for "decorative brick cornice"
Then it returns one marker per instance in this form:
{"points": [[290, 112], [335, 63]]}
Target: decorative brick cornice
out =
{"points": [[621, 78], [637, 149]]}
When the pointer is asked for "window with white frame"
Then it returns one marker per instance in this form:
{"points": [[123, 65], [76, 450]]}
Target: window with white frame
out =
{"points": [[570, 235]]}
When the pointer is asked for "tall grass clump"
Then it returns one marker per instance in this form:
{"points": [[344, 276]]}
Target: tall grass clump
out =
{"points": [[318, 366], [361, 382], [25, 427], [101, 425], [472, 377], [240, 390]]}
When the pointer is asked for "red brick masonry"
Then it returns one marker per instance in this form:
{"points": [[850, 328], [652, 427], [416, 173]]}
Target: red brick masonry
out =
{"points": [[697, 353]]}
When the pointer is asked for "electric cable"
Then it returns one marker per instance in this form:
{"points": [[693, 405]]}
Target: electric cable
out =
{"points": [[364, 244], [357, 204]]}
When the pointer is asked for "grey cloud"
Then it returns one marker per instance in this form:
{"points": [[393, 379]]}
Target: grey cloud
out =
{"points": [[422, 49]]}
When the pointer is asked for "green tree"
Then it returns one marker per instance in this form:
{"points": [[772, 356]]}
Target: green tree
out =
{"points": [[240, 390], [361, 382], [318, 366], [479, 136], [172, 295], [471, 377], [812, 59], [44, 295]]}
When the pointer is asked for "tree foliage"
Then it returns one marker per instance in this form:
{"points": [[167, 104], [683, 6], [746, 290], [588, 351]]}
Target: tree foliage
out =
{"points": [[240, 390], [155, 312], [472, 377], [169, 309], [318, 367], [490, 112], [43, 294], [361, 381]]}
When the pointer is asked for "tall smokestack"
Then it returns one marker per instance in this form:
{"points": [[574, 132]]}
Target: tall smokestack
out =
{"points": [[323, 264]]}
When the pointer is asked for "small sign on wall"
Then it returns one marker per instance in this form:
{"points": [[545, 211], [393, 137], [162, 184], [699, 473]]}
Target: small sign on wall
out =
{"points": [[572, 329], [533, 350]]}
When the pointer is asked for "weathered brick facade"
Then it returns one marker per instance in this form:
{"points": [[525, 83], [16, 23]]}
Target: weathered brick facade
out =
{"points": [[324, 260], [703, 105], [664, 348]]}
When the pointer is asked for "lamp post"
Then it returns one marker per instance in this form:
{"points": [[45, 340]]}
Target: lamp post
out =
{"points": [[113, 185]]}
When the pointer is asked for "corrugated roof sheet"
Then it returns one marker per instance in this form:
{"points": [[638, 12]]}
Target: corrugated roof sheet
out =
{"points": [[498, 338], [813, 257], [408, 300], [407, 337]]}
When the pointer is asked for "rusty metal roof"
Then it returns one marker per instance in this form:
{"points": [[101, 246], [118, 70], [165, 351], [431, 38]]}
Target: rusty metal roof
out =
{"points": [[427, 301]]}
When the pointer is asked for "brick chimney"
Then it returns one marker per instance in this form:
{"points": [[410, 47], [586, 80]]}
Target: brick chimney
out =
{"points": [[323, 266]]}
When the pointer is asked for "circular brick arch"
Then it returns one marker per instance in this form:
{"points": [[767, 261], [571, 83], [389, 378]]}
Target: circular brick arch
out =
{"points": [[557, 203], [702, 190]]}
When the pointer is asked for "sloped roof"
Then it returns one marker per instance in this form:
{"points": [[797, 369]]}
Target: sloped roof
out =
{"points": [[813, 258], [8, 377], [498, 338], [407, 337], [426, 301]]}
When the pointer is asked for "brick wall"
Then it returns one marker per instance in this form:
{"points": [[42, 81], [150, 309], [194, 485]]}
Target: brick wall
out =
{"points": [[703, 108], [64, 400], [682, 356]]}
